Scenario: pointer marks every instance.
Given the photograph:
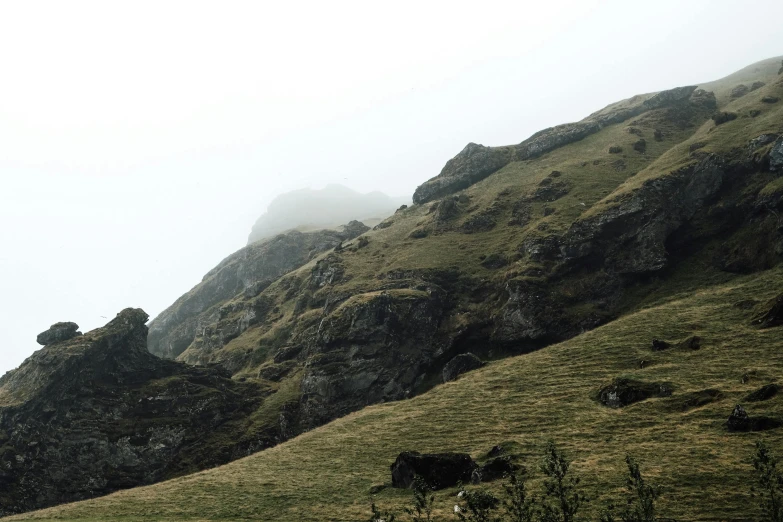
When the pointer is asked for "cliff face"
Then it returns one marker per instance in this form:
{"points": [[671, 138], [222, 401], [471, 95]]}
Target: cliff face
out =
{"points": [[90, 414]]}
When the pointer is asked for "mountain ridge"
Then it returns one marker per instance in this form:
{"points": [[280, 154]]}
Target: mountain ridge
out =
{"points": [[641, 201]]}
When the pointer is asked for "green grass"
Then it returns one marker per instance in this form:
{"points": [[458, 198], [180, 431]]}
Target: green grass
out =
{"points": [[326, 474]]}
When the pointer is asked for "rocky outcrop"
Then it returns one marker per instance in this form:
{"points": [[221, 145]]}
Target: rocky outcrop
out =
{"points": [[371, 348], [739, 420], [462, 363], [493, 469], [58, 332], [438, 470], [246, 272], [771, 315], [476, 162], [622, 392], [95, 413], [764, 393]]}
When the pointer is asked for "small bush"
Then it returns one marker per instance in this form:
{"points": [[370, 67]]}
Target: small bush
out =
{"points": [[477, 506], [517, 504], [562, 498], [381, 516], [769, 483], [423, 500]]}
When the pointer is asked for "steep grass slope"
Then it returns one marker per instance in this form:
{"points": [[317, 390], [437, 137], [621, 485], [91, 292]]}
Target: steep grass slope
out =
{"points": [[327, 473]]}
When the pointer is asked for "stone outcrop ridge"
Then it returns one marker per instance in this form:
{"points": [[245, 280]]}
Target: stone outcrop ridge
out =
{"points": [[476, 162], [248, 271], [95, 413]]}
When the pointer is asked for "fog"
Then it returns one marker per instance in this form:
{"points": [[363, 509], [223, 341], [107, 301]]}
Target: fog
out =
{"points": [[140, 141], [329, 207]]}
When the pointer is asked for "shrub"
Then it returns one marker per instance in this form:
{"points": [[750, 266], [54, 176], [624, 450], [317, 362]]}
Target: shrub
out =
{"points": [[517, 504], [769, 483], [562, 498], [423, 499], [476, 506], [381, 516]]}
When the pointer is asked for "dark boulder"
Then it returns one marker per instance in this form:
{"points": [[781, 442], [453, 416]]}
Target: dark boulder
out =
{"points": [[659, 345], [691, 343], [460, 364], [622, 392], [722, 117], [739, 91], [770, 99], [640, 146], [614, 149], [439, 470], [352, 229], [57, 333], [764, 393], [757, 85], [739, 420], [493, 469]]}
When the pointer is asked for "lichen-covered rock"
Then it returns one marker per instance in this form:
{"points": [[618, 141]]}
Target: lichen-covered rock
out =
{"points": [[438, 470], [462, 363], [58, 332], [95, 413], [622, 392]]}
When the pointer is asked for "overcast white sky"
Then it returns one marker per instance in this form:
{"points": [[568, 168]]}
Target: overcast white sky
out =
{"points": [[140, 140]]}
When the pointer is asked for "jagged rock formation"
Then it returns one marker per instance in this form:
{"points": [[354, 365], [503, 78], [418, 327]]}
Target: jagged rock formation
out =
{"points": [[90, 414], [476, 162], [248, 271], [307, 209]]}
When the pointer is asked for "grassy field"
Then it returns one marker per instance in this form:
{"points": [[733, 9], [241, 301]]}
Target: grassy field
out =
{"points": [[326, 474]]}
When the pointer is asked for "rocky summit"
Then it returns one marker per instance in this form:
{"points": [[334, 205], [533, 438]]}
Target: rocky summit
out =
{"points": [[626, 266]]}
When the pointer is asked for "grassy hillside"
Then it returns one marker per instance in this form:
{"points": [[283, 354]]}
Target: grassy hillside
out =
{"points": [[327, 473]]}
